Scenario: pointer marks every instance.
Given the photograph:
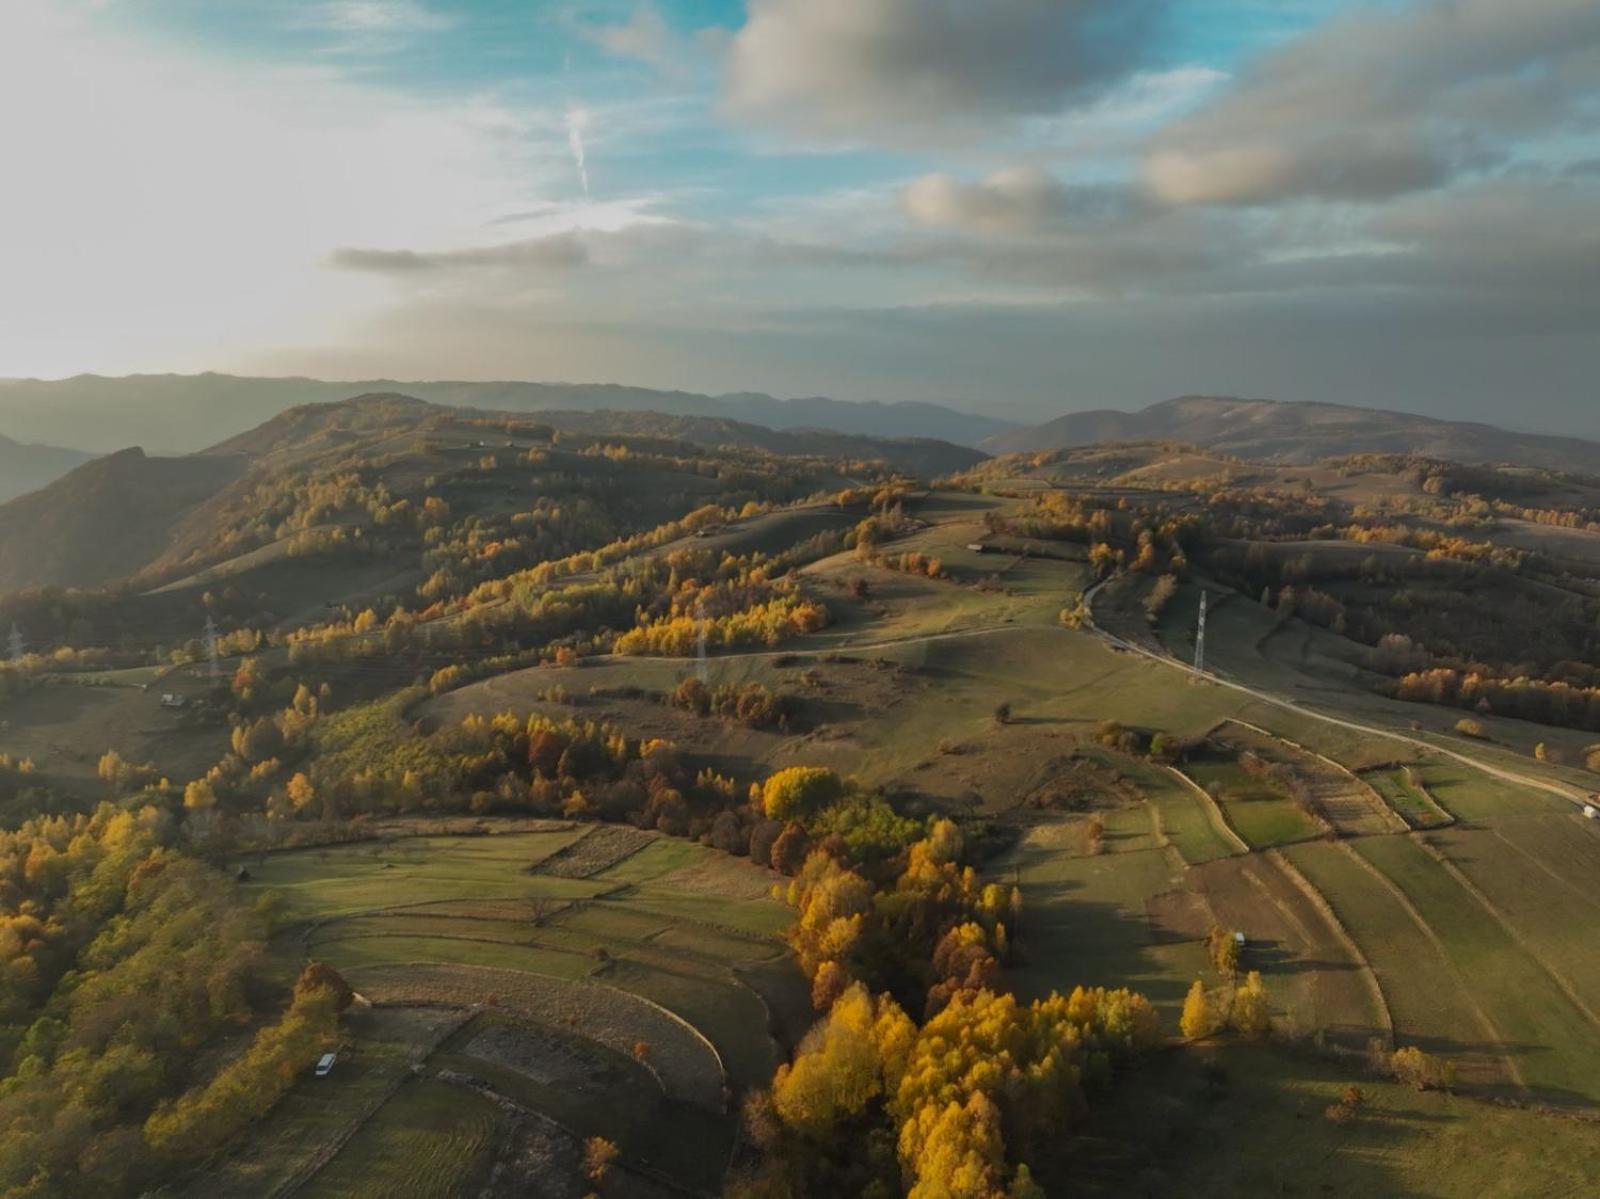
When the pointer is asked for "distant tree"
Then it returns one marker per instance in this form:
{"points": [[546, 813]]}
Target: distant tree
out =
{"points": [[1252, 1016], [599, 1155], [1223, 948], [1198, 1019]]}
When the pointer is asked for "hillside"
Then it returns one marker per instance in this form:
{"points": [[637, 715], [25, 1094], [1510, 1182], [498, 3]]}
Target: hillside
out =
{"points": [[105, 519], [25, 468], [316, 474], [195, 411], [1270, 430]]}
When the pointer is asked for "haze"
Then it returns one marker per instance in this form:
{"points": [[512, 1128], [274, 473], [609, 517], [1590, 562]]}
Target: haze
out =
{"points": [[1020, 208]]}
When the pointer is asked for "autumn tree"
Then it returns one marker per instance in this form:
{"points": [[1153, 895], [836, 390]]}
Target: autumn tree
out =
{"points": [[1251, 1015], [1198, 1019]]}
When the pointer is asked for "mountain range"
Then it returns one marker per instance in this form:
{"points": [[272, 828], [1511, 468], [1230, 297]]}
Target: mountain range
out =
{"points": [[1275, 431], [186, 413], [25, 468]]}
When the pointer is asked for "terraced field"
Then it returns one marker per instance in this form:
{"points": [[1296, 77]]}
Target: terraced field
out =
{"points": [[1258, 809], [1430, 1002], [631, 944]]}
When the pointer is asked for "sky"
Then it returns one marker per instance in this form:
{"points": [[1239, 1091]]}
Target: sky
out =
{"points": [[1019, 207]]}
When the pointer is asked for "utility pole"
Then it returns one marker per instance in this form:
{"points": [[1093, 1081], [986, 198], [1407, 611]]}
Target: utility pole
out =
{"points": [[211, 648], [15, 646], [1200, 637]]}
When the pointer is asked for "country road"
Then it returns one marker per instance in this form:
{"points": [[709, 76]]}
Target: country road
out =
{"points": [[1571, 794]]}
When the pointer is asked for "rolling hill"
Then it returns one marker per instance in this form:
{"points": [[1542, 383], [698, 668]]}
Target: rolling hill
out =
{"points": [[1274, 431], [195, 411], [105, 519], [25, 468], [133, 514]]}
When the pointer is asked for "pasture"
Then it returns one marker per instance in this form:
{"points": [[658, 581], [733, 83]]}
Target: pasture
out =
{"points": [[600, 972]]}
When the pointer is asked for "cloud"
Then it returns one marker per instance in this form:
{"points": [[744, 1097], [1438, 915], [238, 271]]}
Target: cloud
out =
{"points": [[900, 71], [561, 251], [163, 210], [1386, 101], [643, 37], [1017, 200]]}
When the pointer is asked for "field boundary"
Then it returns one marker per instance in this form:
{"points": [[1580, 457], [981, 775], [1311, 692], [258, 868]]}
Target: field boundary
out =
{"points": [[1219, 818], [1319, 901], [1485, 1025], [1396, 822]]}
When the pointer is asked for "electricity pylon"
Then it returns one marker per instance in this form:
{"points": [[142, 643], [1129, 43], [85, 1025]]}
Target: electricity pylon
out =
{"points": [[1200, 637]]}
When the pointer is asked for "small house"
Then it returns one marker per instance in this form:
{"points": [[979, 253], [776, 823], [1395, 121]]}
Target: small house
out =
{"points": [[325, 1064], [1238, 939], [1590, 812], [169, 700], [977, 547]]}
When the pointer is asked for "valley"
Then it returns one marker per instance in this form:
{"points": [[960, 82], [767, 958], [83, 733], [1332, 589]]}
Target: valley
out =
{"points": [[511, 780]]}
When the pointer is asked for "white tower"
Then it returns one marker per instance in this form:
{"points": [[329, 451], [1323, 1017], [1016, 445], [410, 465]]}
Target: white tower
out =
{"points": [[1200, 637]]}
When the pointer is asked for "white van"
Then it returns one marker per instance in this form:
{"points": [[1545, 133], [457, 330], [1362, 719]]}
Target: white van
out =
{"points": [[325, 1064]]}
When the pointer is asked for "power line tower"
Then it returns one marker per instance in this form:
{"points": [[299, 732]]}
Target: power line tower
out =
{"points": [[1200, 636], [211, 648], [15, 645]]}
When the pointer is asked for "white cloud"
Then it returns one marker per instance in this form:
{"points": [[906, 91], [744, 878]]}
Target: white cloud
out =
{"points": [[1387, 100], [161, 211]]}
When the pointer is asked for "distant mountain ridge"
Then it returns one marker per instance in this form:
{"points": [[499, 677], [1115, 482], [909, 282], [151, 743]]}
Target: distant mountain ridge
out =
{"points": [[129, 512], [25, 468], [186, 413], [1279, 431]]}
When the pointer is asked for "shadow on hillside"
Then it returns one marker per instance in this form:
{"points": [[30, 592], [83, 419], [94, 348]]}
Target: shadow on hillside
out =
{"points": [[1236, 1120]]}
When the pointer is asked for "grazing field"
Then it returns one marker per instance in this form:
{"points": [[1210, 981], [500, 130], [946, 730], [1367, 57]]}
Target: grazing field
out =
{"points": [[1212, 1121], [607, 955], [1555, 1046], [1259, 809], [1185, 817], [310, 1120], [1116, 918], [1427, 998], [1412, 801], [429, 1141], [1551, 914], [1316, 981]]}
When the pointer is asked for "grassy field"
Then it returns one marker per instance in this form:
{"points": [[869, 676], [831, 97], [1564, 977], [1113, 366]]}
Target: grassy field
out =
{"points": [[1117, 918], [626, 948], [1556, 1049], [1259, 810], [429, 1141], [1427, 999], [1222, 1122], [1413, 803]]}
